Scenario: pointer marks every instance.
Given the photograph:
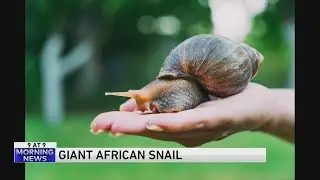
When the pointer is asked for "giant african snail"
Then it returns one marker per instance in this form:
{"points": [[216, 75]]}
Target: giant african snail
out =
{"points": [[200, 66]]}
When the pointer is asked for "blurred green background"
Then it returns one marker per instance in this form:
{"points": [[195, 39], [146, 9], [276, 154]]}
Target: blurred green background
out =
{"points": [[78, 49]]}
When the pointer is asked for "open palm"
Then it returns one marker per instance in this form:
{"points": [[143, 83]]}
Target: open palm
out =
{"points": [[210, 121]]}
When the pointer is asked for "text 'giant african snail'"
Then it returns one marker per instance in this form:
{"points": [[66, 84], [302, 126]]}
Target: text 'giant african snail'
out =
{"points": [[200, 66]]}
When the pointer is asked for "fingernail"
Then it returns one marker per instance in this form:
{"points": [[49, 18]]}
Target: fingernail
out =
{"points": [[99, 131], [119, 134], [152, 127], [116, 134], [121, 107], [200, 125]]}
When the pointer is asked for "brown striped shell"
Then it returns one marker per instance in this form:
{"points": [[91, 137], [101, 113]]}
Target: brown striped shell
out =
{"points": [[221, 66]]}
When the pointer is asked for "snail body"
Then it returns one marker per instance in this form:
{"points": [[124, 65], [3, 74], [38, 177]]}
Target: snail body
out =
{"points": [[200, 66]]}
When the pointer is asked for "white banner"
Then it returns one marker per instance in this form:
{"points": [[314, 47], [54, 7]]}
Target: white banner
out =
{"points": [[75, 155], [29, 152]]}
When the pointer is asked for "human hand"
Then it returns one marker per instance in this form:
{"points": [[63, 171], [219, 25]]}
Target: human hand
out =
{"points": [[210, 121]]}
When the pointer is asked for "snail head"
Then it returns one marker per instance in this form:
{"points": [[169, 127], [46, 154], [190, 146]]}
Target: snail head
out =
{"points": [[165, 96]]}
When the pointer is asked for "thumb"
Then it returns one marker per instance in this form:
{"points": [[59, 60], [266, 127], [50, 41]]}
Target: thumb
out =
{"points": [[129, 105]]}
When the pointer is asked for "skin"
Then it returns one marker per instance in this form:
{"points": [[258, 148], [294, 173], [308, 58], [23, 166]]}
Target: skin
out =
{"points": [[257, 108]]}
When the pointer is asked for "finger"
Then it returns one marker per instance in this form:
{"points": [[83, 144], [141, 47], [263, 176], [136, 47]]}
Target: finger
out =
{"points": [[101, 122], [129, 105], [129, 123], [163, 136], [194, 119], [176, 136], [134, 124], [122, 123], [104, 121], [126, 123]]}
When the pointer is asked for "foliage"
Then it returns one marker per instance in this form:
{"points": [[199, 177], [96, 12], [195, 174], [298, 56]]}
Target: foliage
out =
{"points": [[130, 56]]}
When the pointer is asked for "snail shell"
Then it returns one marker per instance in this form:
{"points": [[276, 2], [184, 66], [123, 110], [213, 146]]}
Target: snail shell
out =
{"points": [[221, 66], [200, 66]]}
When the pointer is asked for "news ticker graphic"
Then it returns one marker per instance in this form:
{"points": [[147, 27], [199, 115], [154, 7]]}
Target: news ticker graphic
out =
{"points": [[47, 152]]}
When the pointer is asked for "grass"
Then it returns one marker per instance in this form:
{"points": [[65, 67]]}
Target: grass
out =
{"points": [[75, 133]]}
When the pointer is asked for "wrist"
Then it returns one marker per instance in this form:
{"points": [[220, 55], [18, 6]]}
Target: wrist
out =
{"points": [[279, 127], [280, 118]]}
